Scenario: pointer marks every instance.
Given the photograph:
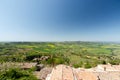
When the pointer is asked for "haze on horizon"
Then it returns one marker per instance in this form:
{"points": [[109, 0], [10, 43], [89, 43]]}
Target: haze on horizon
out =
{"points": [[59, 20]]}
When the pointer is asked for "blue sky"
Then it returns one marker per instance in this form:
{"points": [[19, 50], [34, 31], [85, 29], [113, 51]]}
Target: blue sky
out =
{"points": [[60, 20]]}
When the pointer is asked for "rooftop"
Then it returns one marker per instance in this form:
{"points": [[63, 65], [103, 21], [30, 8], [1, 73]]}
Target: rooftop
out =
{"points": [[101, 72]]}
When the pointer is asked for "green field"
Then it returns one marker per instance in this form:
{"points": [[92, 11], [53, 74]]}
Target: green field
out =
{"points": [[70, 53]]}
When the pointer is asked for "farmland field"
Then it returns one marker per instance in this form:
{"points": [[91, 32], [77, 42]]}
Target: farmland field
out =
{"points": [[70, 53]]}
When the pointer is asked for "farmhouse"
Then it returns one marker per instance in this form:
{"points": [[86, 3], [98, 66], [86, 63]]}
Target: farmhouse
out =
{"points": [[27, 65]]}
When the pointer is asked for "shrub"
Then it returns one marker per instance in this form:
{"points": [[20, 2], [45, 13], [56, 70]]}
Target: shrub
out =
{"points": [[87, 65], [16, 74]]}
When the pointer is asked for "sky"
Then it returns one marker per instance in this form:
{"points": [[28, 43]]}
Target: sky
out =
{"points": [[59, 20]]}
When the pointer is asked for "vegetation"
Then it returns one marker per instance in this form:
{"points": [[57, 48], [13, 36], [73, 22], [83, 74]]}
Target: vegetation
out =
{"points": [[70, 53], [16, 74]]}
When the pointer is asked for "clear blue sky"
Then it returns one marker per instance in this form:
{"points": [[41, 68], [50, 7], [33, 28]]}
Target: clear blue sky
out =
{"points": [[59, 20]]}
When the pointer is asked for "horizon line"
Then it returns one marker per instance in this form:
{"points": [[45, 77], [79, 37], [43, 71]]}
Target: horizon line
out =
{"points": [[61, 41]]}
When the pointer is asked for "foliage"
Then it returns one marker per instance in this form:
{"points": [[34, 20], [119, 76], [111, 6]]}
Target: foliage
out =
{"points": [[87, 65], [16, 74]]}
